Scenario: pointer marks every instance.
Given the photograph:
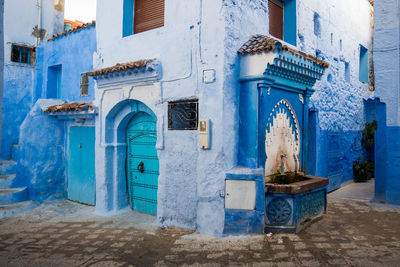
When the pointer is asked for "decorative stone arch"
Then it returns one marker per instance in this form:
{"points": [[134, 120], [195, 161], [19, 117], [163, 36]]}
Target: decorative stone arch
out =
{"points": [[111, 156]]}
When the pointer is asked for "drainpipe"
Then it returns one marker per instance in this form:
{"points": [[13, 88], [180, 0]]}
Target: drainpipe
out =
{"points": [[39, 24]]}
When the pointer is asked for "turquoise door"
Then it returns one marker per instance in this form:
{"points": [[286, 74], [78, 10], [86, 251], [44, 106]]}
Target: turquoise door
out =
{"points": [[142, 164], [81, 173]]}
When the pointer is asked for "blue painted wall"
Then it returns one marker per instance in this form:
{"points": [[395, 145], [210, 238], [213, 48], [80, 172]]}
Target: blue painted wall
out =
{"points": [[73, 54], [206, 34], [17, 101], [1, 64], [387, 81], [43, 139], [19, 78], [41, 163]]}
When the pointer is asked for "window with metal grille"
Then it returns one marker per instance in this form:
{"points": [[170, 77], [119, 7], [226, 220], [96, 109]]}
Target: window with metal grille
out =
{"points": [[275, 8], [142, 15], [183, 115], [84, 85], [22, 54]]}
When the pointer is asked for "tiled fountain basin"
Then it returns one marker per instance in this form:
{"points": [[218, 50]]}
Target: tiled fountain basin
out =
{"points": [[292, 207]]}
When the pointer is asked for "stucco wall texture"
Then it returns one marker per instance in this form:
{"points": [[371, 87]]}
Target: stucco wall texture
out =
{"points": [[387, 77], [74, 52], [206, 34], [43, 139], [19, 78]]}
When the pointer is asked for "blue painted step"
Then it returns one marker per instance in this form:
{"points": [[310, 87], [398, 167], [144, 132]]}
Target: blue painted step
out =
{"points": [[16, 208], [6, 181], [12, 195], [7, 167]]}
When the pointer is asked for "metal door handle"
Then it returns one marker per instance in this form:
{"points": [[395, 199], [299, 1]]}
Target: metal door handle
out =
{"points": [[140, 167]]}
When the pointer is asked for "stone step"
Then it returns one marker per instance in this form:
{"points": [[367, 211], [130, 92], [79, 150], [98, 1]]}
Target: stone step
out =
{"points": [[14, 152], [12, 195], [16, 208], [7, 167], [6, 181]]}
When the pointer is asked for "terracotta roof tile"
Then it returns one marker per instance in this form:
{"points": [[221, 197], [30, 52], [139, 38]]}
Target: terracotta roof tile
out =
{"points": [[261, 43], [77, 29], [72, 106], [121, 67]]}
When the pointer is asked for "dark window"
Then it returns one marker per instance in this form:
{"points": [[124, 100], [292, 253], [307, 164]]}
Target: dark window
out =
{"points": [[84, 85], [183, 115], [275, 8], [142, 15], [22, 54]]}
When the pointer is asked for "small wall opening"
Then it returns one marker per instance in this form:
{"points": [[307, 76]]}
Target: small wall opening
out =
{"points": [[347, 71], [364, 62], [54, 81], [317, 24]]}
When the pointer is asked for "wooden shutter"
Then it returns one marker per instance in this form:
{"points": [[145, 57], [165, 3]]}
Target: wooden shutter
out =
{"points": [[276, 18], [149, 14]]}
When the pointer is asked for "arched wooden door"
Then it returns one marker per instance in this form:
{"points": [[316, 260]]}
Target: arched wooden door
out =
{"points": [[142, 163]]}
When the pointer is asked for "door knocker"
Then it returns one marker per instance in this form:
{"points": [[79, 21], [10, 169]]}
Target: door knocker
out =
{"points": [[140, 167]]}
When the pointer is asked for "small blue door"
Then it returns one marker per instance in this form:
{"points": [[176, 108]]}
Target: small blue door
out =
{"points": [[81, 168], [142, 164]]}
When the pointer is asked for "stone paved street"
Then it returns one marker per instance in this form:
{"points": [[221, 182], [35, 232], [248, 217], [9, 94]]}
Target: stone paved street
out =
{"points": [[354, 233]]}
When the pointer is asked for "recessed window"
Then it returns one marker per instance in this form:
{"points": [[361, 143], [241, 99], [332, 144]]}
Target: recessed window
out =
{"points": [[317, 24], [275, 8], [54, 79], [142, 15], [364, 62], [84, 89], [282, 20], [183, 115], [347, 71], [22, 54]]}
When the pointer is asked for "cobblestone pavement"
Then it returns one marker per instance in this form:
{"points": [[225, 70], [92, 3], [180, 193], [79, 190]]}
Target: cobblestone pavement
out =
{"points": [[67, 234]]}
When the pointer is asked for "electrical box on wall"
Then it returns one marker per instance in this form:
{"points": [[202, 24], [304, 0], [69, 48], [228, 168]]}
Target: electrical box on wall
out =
{"points": [[209, 76], [204, 134], [240, 194]]}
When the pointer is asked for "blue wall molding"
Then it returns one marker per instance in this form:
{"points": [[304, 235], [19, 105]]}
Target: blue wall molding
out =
{"points": [[75, 115], [150, 73]]}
